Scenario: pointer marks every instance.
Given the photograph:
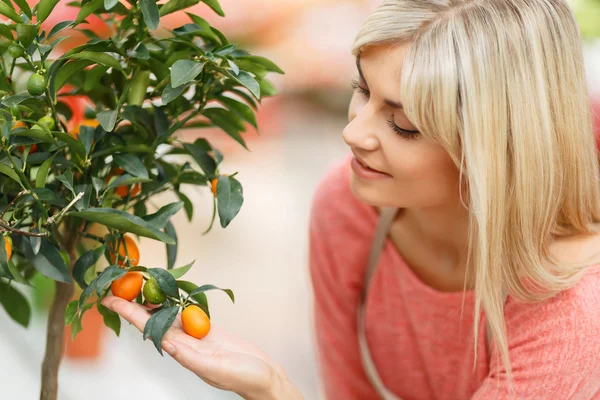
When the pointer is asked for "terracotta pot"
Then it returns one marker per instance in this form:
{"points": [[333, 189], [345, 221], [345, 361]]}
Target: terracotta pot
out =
{"points": [[87, 345]]}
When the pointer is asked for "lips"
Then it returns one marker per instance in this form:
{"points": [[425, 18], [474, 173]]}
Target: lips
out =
{"points": [[364, 164]]}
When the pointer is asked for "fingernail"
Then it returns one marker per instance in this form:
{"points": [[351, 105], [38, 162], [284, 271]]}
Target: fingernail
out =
{"points": [[168, 347]]}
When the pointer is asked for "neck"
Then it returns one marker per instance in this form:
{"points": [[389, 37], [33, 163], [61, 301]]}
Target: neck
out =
{"points": [[435, 238]]}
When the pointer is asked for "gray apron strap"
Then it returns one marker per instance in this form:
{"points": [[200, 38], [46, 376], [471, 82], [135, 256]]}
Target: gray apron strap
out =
{"points": [[386, 218]]}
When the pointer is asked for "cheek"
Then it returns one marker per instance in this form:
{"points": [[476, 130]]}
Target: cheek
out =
{"points": [[423, 176]]}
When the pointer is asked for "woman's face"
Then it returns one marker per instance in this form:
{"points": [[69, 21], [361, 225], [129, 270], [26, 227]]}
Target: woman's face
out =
{"points": [[415, 172]]}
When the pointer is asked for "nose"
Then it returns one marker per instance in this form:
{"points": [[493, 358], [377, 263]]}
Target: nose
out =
{"points": [[360, 131]]}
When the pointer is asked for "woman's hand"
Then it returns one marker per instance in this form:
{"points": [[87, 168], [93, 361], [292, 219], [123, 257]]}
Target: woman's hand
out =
{"points": [[219, 359]]}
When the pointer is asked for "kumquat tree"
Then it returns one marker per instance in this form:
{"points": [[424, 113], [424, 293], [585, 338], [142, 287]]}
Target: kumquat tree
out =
{"points": [[62, 177]]}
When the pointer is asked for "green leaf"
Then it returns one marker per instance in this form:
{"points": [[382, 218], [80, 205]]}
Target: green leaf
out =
{"points": [[49, 262], [171, 248], [44, 9], [176, 5], [131, 164], [160, 218], [245, 79], [107, 276], [59, 28], [267, 88], [38, 134], [15, 304], [122, 221], [241, 109], [189, 287], [150, 13], [71, 311], [179, 272], [214, 4], [6, 32], [8, 171], [10, 13], [24, 7], [204, 160], [205, 288], [26, 33], [76, 147], [187, 205], [159, 324], [93, 76], [227, 121], [108, 119], [61, 74], [99, 58], [85, 262], [126, 180], [160, 122], [266, 63], [230, 199], [184, 71], [42, 174], [108, 4], [111, 318], [169, 93], [88, 9], [67, 182], [165, 280]]}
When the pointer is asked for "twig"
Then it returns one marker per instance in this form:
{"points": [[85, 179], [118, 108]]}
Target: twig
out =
{"points": [[62, 212], [13, 201], [4, 226]]}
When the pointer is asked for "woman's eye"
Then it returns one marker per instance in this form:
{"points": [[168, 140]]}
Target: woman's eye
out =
{"points": [[356, 86], [405, 133]]}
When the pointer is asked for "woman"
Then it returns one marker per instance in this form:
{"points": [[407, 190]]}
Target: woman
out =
{"points": [[470, 132]]}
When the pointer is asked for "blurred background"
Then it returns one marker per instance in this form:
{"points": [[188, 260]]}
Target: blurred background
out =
{"points": [[262, 255]]}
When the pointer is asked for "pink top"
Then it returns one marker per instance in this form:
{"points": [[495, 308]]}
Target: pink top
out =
{"points": [[421, 348]]}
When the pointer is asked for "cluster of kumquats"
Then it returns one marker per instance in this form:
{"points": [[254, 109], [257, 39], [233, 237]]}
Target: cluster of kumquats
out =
{"points": [[195, 321]]}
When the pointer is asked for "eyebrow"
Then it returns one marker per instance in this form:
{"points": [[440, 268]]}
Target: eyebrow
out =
{"points": [[389, 102]]}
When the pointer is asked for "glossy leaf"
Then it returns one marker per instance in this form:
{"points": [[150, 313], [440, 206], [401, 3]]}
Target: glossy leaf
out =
{"points": [[179, 272], [185, 71], [160, 218], [205, 288], [111, 318], [171, 248], [150, 13], [230, 199], [159, 324], [15, 303], [85, 262], [165, 280], [122, 221]]}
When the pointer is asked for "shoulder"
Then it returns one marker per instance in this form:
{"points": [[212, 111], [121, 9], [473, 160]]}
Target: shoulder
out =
{"points": [[334, 206], [564, 327]]}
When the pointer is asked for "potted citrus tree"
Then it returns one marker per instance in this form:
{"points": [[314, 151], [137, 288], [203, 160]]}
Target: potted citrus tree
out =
{"points": [[75, 192]]}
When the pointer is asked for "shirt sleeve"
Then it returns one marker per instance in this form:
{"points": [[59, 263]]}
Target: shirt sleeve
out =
{"points": [[335, 303], [554, 348]]}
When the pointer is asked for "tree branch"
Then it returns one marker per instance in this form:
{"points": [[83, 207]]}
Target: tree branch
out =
{"points": [[56, 324]]}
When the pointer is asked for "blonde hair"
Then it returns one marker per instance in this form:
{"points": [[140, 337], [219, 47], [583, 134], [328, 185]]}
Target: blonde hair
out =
{"points": [[500, 85]]}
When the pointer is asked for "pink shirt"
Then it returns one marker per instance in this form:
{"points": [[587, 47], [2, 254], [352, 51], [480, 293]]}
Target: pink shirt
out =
{"points": [[420, 346]]}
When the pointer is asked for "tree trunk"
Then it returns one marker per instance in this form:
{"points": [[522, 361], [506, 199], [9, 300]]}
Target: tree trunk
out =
{"points": [[56, 323]]}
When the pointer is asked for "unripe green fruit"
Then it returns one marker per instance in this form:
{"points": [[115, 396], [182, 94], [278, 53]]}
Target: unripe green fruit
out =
{"points": [[48, 121], [15, 51], [36, 85], [153, 293]]}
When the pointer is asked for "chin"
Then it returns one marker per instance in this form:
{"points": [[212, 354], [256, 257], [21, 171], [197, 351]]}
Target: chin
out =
{"points": [[370, 193]]}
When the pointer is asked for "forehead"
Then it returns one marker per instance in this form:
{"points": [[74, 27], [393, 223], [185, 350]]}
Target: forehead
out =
{"points": [[382, 64]]}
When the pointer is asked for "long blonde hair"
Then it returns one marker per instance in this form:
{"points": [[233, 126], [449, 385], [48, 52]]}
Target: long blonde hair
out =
{"points": [[500, 85]]}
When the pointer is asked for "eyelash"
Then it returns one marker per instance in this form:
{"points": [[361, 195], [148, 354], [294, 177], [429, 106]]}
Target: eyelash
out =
{"points": [[402, 132]]}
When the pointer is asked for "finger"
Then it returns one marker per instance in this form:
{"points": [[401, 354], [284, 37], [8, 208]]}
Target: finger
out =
{"points": [[132, 312]]}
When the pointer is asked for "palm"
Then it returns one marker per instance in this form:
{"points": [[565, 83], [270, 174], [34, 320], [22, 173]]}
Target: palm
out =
{"points": [[220, 359]]}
